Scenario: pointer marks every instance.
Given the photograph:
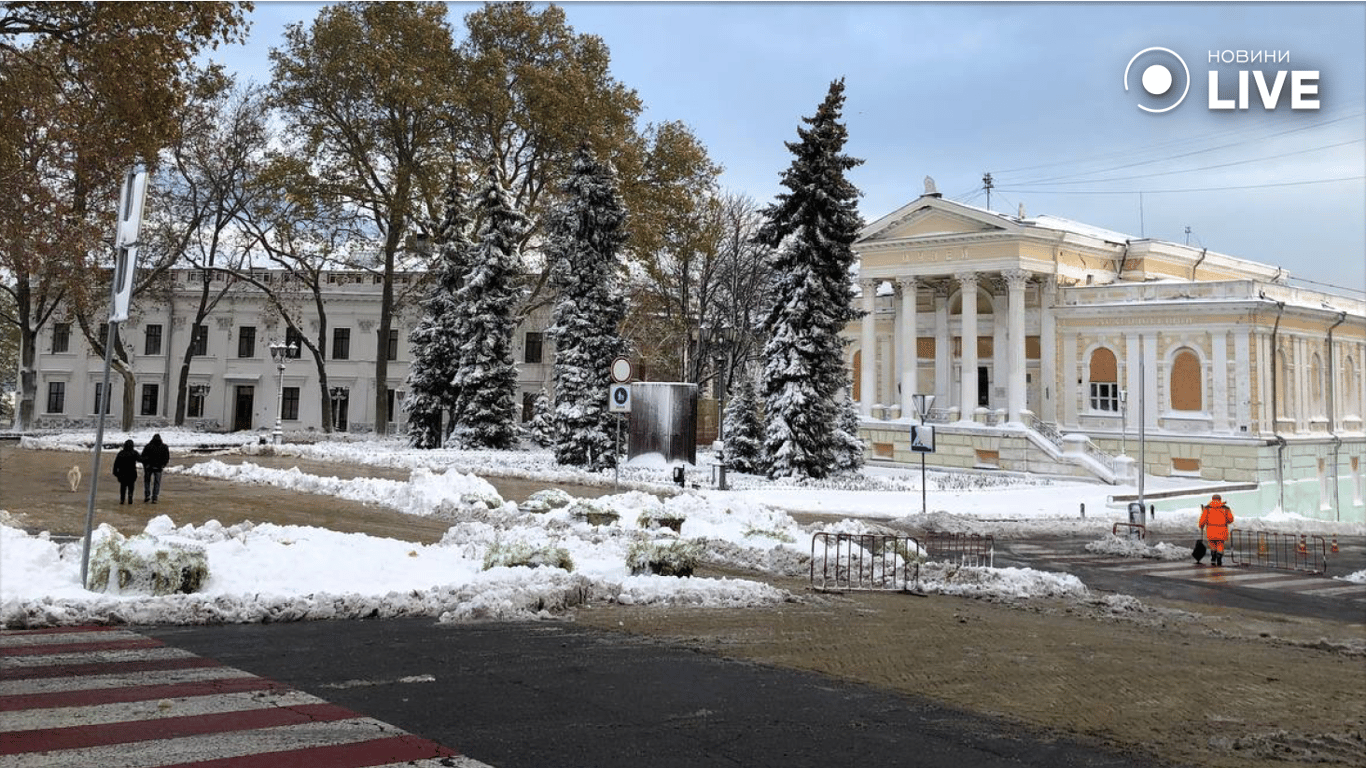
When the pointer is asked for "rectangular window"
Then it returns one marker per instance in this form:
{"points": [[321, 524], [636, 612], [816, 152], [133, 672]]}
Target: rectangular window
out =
{"points": [[199, 340], [102, 337], [295, 342], [533, 347], [246, 341], [528, 406], [61, 337], [341, 343], [194, 408], [151, 344], [98, 392], [56, 396], [1105, 396], [393, 344], [289, 404], [389, 407], [149, 399]]}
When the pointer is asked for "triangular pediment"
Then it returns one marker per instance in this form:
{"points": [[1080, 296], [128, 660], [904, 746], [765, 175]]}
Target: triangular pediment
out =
{"points": [[934, 217]]}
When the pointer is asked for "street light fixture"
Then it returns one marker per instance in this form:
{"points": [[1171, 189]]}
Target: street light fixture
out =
{"points": [[337, 394], [280, 352]]}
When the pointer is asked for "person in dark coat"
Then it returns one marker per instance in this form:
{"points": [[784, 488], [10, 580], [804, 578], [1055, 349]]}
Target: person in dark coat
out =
{"points": [[126, 470], [155, 457]]}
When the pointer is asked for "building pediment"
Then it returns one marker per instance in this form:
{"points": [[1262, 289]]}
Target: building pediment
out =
{"points": [[931, 216]]}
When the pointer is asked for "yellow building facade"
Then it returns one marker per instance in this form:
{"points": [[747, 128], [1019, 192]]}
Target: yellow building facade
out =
{"points": [[1079, 341]]}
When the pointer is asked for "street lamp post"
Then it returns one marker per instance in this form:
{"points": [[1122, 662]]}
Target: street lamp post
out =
{"points": [[280, 352], [338, 394]]}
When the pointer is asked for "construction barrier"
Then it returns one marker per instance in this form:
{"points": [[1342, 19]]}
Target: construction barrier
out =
{"points": [[960, 548], [1285, 551], [873, 561]]}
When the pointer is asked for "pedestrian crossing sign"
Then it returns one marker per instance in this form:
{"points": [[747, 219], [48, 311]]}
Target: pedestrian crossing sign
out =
{"points": [[922, 438]]}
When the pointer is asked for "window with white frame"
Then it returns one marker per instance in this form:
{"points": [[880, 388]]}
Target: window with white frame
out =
{"points": [[1104, 381]]}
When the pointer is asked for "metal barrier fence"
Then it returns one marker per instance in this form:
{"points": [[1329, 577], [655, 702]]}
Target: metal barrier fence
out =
{"points": [[872, 561], [1138, 529], [960, 548], [1287, 551]]}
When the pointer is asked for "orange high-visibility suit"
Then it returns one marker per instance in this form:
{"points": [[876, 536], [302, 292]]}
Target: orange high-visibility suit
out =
{"points": [[1214, 521]]}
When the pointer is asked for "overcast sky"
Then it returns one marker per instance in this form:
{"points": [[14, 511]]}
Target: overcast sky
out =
{"points": [[1033, 93]]}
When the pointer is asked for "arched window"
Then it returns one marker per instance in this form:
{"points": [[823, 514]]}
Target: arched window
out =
{"points": [[1188, 383], [1104, 381]]}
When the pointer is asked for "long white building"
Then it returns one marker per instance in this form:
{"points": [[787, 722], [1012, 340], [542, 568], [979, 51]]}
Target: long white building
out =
{"points": [[1051, 346], [233, 383]]}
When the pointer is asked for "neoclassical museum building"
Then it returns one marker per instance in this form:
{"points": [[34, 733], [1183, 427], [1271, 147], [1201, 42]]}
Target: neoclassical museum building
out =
{"points": [[1054, 347]]}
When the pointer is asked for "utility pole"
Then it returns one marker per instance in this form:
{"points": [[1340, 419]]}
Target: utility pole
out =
{"points": [[986, 182]]}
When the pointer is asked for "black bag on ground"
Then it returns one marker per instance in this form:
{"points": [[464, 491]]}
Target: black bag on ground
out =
{"points": [[1199, 552]]}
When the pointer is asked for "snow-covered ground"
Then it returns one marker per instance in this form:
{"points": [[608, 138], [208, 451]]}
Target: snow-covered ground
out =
{"points": [[267, 572]]}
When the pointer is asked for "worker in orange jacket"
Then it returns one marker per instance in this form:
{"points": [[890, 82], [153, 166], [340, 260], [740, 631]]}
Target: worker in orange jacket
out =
{"points": [[1215, 519]]}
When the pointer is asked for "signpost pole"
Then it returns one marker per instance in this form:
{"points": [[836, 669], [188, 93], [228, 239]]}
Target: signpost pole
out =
{"points": [[924, 505]]}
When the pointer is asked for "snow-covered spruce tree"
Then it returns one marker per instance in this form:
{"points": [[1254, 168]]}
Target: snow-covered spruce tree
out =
{"points": [[485, 378], [585, 233], [848, 446], [811, 229], [430, 391], [540, 429], [744, 433]]}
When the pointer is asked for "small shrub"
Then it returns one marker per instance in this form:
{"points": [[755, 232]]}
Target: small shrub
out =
{"points": [[546, 500], [521, 554], [146, 565], [677, 558], [594, 513], [782, 536], [658, 518]]}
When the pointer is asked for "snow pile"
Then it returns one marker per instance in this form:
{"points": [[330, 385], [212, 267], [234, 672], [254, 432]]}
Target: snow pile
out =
{"points": [[1006, 583], [1124, 546]]}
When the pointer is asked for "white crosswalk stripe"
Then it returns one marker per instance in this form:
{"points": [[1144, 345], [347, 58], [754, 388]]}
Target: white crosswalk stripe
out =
{"points": [[116, 699], [1231, 575]]}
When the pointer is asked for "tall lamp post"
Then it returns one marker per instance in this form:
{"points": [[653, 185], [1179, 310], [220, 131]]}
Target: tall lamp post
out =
{"points": [[280, 352], [338, 394]]}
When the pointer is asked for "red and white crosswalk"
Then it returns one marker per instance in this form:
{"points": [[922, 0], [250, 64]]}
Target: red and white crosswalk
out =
{"points": [[1285, 581], [112, 698]]}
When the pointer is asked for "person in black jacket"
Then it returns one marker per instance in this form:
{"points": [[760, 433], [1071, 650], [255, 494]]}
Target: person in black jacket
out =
{"points": [[155, 457], [126, 470]]}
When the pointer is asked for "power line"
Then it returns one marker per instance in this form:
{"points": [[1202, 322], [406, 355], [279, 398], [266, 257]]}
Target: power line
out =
{"points": [[1259, 159], [1139, 152], [1165, 191]]}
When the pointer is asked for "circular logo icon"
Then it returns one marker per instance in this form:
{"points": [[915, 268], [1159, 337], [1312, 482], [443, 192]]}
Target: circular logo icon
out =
{"points": [[1159, 75]]}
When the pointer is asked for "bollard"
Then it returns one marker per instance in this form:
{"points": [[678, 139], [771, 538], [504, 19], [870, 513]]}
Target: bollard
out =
{"points": [[1083, 511], [1152, 511]]}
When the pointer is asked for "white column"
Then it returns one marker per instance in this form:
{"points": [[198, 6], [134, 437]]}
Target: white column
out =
{"points": [[1067, 382], [1050, 384], [1219, 382], [943, 349], [1150, 373], [1015, 377], [908, 354], [1242, 383], [968, 360], [868, 371]]}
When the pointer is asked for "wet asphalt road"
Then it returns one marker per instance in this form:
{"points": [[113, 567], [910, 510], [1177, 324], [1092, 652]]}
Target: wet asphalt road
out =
{"points": [[532, 695]]}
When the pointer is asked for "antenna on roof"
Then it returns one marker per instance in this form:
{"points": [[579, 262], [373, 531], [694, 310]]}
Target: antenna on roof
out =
{"points": [[986, 182]]}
